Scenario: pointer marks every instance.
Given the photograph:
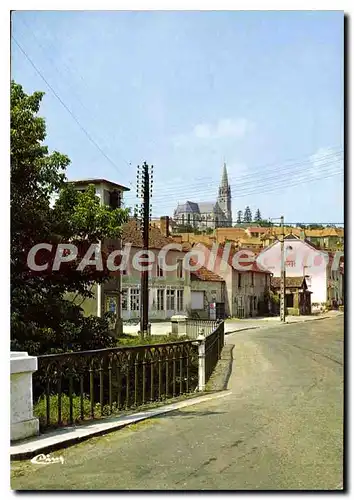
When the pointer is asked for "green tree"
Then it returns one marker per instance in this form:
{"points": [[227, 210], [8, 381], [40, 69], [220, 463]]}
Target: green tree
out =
{"points": [[258, 217], [239, 217], [265, 223], [42, 320], [247, 216]]}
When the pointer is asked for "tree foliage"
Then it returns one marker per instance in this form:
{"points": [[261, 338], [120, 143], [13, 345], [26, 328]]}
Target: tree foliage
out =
{"points": [[247, 216], [239, 217], [42, 320], [257, 217]]}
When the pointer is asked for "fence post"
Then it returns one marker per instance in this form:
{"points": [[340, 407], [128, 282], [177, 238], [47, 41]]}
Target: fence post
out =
{"points": [[23, 424], [201, 363]]}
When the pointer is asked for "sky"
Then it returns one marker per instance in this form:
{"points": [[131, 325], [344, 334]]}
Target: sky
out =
{"points": [[186, 91]]}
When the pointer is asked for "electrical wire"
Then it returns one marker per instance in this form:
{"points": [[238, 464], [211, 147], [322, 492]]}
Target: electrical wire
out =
{"points": [[65, 106], [164, 193], [281, 168], [260, 188]]}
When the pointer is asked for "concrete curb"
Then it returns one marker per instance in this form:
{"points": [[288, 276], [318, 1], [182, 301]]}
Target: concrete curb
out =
{"points": [[244, 329], [221, 374], [68, 436]]}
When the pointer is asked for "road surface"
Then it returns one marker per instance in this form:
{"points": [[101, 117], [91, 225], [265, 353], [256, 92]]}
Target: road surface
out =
{"points": [[281, 427]]}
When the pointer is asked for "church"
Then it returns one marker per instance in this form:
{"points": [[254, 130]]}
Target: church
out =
{"points": [[205, 215]]}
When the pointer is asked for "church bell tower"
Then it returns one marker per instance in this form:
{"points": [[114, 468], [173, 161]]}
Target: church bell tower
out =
{"points": [[224, 198]]}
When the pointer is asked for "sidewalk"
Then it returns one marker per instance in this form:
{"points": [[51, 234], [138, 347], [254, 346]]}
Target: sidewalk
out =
{"points": [[67, 436], [238, 325]]}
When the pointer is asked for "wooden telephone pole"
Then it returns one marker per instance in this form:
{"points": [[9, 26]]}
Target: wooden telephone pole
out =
{"points": [[144, 191]]}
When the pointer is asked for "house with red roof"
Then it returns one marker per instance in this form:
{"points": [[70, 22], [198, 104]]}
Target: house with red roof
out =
{"points": [[246, 282], [323, 270]]}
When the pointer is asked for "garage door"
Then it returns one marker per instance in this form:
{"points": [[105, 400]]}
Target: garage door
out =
{"points": [[197, 300]]}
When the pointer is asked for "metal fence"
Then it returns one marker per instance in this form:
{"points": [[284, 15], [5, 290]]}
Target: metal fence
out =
{"points": [[213, 347], [73, 387], [196, 327]]}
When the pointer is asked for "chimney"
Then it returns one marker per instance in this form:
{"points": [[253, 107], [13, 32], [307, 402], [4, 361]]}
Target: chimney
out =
{"points": [[165, 225]]}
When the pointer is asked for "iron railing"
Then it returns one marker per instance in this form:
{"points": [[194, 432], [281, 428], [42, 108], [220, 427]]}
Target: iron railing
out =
{"points": [[213, 346], [196, 327], [74, 387]]}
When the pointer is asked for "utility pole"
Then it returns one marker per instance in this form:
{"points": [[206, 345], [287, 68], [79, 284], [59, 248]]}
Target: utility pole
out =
{"points": [[144, 191], [282, 273]]}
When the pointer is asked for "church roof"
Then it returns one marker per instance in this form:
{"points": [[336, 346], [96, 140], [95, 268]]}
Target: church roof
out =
{"points": [[188, 207], [206, 207]]}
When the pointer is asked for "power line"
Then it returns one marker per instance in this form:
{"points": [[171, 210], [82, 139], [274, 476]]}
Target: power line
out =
{"points": [[64, 105], [77, 97], [282, 167], [236, 187], [264, 186], [248, 224]]}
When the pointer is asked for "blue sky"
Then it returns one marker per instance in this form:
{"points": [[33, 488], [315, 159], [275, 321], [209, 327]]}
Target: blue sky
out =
{"points": [[186, 91]]}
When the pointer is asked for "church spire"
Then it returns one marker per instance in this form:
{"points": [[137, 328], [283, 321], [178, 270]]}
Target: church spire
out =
{"points": [[224, 198], [224, 179]]}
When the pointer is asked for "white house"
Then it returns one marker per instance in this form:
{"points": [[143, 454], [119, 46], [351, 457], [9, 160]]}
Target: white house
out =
{"points": [[303, 259]]}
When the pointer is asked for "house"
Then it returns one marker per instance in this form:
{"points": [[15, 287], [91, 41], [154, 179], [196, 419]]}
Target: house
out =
{"points": [[302, 259], [169, 290], [297, 295], [175, 291], [203, 215], [246, 287], [111, 194], [329, 238], [207, 294]]}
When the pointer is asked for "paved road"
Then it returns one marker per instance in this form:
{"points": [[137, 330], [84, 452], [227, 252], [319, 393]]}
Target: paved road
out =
{"points": [[281, 428]]}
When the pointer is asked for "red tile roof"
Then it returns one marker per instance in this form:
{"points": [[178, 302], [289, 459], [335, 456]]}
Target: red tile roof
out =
{"points": [[290, 282], [132, 234], [203, 273], [257, 229], [256, 268]]}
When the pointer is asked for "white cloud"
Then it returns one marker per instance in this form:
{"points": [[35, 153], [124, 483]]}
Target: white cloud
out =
{"points": [[324, 159], [224, 128]]}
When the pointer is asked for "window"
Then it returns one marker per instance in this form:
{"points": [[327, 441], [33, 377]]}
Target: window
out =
{"points": [[239, 280], [124, 299], [114, 199], [289, 300], [170, 300], [135, 299], [252, 278], [180, 269], [179, 300], [159, 269], [160, 300]]}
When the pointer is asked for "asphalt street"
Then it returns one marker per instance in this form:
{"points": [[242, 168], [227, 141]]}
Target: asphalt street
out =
{"points": [[281, 428]]}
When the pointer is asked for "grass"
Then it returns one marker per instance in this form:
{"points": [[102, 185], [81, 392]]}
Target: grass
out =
{"points": [[40, 410], [126, 340]]}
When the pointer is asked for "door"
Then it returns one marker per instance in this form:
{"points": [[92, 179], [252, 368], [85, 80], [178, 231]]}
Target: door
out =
{"points": [[220, 310]]}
